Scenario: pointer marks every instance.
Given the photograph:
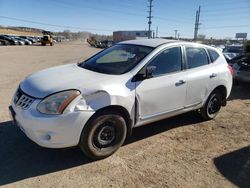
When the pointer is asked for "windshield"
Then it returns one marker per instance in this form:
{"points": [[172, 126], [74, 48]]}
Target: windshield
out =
{"points": [[118, 59]]}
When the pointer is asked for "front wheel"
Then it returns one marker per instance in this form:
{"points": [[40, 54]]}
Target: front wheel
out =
{"points": [[103, 135], [212, 106]]}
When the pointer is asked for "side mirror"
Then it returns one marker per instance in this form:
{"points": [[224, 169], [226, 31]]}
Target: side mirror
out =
{"points": [[149, 71], [145, 73]]}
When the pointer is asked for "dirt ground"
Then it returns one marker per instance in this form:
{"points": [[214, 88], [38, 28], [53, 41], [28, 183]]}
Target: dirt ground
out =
{"points": [[183, 151]]}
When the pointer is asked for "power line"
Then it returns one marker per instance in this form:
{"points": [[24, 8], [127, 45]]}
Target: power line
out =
{"points": [[53, 25], [222, 3], [231, 13], [84, 6], [225, 26], [226, 10], [172, 20], [222, 18]]}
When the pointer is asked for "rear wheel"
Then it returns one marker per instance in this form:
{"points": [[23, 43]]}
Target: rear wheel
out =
{"points": [[212, 106], [103, 135]]}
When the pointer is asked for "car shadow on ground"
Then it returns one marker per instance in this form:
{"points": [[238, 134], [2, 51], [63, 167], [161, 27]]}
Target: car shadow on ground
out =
{"points": [[235, 166], [240, 91], [20, 158]]}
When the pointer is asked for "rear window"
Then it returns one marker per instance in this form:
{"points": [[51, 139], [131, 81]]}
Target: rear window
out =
{"points": [[213, 55], [196, 57]]}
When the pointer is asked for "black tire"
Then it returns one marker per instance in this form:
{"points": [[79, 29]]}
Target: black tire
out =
{"points": [[103, 135], [212, 106]]}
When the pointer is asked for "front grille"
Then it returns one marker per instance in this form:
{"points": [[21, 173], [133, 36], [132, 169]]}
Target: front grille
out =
{"points": [[22, 100]]}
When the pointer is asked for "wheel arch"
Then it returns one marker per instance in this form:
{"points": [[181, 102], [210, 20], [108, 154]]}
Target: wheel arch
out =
{"points": [[118, 109], [223, 90]]}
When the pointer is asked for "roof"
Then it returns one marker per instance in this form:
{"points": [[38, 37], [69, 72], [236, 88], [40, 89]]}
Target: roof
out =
{"points": [[148, 42]]}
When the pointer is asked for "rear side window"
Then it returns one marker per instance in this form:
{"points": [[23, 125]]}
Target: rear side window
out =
{"points": [[213, 55], [168, 61], [196, 57]]}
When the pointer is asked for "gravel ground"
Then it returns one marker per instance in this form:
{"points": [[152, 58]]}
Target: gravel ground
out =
{"points": [[183, 151]]}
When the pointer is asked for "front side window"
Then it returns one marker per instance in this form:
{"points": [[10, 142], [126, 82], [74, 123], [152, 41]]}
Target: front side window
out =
{"points": [[196, 57], [117, 60], [168, 61]]}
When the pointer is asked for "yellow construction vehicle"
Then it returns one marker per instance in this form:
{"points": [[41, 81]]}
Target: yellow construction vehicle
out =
{"points": [[47, 38]]}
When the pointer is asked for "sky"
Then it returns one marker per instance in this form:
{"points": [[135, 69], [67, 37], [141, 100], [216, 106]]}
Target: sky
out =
{"points": [[218, 18]]}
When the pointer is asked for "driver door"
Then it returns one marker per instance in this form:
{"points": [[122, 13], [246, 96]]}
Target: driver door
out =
{"points": [[165, 91]]}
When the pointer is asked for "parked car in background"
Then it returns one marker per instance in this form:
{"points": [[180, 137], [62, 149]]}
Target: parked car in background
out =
{"points": [[28, 38], [106, 43], [26, 41], [241, 66], [96, 104], [232, 51], [20, 41], [38, 39], [9, 39], [4, 42], [220, 47], [34, 39]]}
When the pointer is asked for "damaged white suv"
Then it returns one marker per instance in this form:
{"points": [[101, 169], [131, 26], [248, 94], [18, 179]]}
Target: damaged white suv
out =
{"points": [[96, 104]]}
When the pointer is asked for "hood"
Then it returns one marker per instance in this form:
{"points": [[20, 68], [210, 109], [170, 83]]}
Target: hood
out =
{"points": [[52, 80]]}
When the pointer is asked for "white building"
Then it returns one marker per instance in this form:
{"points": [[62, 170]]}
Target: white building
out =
{"points": [[128, 35]]}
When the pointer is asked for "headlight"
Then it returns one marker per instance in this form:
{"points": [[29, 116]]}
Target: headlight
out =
{"points": [[56, 103]]}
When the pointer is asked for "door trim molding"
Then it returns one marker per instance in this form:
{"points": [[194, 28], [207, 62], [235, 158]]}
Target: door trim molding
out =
{"points": [[159, 114]]}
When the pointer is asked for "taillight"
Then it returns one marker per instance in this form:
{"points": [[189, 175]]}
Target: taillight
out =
{"points": [[230, 69]]}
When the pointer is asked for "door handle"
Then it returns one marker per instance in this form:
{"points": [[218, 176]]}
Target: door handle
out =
{"points": [[180, 82], [213, 75]]}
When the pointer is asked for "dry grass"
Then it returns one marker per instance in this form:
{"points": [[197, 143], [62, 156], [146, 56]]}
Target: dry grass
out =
{"points": [[16, 32]]}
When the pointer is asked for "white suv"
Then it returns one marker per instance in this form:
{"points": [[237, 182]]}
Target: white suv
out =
{"points": [[97, 103]]}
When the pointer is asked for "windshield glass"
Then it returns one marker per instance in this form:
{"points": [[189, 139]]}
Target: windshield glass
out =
{"points": [[118, 59]]}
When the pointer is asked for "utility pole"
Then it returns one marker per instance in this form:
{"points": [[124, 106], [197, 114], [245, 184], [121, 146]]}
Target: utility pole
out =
{"points": [[175, 33], [197, 23], [149, 18], [157, 32]]}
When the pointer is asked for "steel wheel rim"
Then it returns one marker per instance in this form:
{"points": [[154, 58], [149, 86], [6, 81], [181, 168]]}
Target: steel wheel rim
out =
{"points": [[105, 135], [213, 105]]}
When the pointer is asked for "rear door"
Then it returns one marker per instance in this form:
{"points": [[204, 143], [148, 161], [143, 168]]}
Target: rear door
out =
{"points": [[201, 75]]}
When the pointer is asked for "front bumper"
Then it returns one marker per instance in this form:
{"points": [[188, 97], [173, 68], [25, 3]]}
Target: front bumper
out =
{"points": [[51, 131]]}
